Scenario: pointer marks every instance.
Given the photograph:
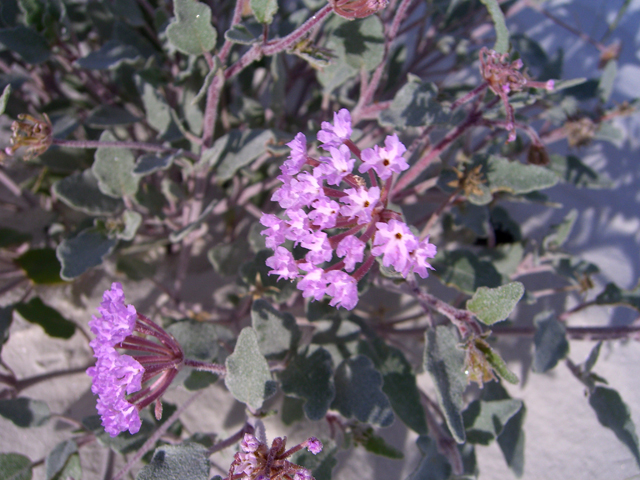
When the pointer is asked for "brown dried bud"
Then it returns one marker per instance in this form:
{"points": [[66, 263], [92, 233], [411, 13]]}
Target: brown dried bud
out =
{"points": [[33, 134], [538, 155], [352, 9]]}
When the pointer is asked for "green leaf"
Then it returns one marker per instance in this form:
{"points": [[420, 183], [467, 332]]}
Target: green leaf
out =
{"points": [[82, 252], [614, 295], [414, 105], [208, 80], [151, 163], [58, 457], [25, 412], [359, 392], [4, 98], [41, 266], [191, 32], [484, 421], [591, 360], [240, 34], [178, 235], [492, 305], [605, 86], [71, 470], [572, 170], [378, 446], [241, 149], [291, 410], [248, 377], [110, 56], [54, 324], [277, 331], [25, 42], [434, 465], [444, 361], [227, 258], [188, 461], [10, 237], [614, 414], [517, 178], [105, 116], [321, 464], [399, 383], [502, 34], [264, 10], [497, 363], [550, 342], [80, 191], [132, 221], [14, 466], [199, 340], [113, 168], [158, 112], [311, 379], [560, 233], [463, 270]]}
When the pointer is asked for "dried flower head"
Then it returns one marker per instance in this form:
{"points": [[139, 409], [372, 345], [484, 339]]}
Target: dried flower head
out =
{"points": [[259, 462], [33, 134], [504, 77], [352, 9]]}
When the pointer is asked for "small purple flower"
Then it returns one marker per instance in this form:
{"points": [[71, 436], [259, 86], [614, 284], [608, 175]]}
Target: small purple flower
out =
{"points": [[352, 249], [298, 225], [343, 288], [394, 241], [337, 166], [361, 201], [249, 443], [283, 264], [320, 250], [325, 213], [313, 284], [419, 258], [298, 156], [385, 161], [335, 135], [314, 445], [303, 474], [115, 375], [276, 233]]}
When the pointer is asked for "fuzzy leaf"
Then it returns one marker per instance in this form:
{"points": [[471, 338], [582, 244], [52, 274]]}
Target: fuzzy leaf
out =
{"points": [[240, 34], [434, 465], [188, 461], [414, 105], [484, 421], [158, 112], [178, 235], [492, 305], [199, 340], [113, 168], [110, 56], [444, 361], [463, 270], [359, 393], [58, 457], [82, 252], [132, 221], [591, 360], [550, 342], [14, 466], [614, 414], [151, 163], [560, 233], [54, 324], [264, 10], [106, 116], [25, 42], [248, 377], [502, 34], [277, 331], [4, 98], [310, 378], [399, 383], [517, 178], [605, 86], [191, 31], [25, 412], [41, 266], [614, 295], [80, 191], [242, 149]]}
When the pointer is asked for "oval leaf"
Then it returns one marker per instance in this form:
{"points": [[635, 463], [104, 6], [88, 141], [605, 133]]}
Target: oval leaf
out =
{"points": [[113, 168], [550, 342], [492, 305], [277, 331], [14, 466], [172, 462], [85, 251], [54, 324], [41, 266], [191, 32]]}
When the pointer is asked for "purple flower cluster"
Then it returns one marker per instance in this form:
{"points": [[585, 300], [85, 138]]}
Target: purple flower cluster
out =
{"points": [[311, 208], [115, 375]]}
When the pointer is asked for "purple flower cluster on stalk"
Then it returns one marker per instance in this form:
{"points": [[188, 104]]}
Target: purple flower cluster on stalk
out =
{"points": [[360, 211], [116, 375]]}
